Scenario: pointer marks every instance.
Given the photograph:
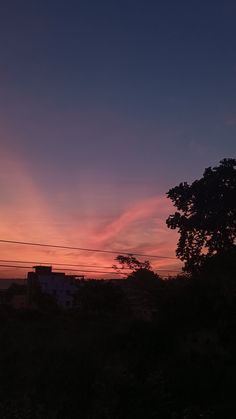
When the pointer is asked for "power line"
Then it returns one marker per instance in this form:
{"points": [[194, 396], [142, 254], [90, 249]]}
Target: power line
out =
{"points": [[71, 270], [74, 265], [86, 249], [55, 263], [84, 270]]}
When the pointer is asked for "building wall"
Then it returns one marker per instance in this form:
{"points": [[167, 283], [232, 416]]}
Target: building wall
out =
{"points": [[58, 285]]}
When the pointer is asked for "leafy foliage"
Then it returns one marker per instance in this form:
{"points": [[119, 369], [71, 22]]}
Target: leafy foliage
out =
{"points": [[141, 271], [130, 262], [144, 274], [206, 216]]}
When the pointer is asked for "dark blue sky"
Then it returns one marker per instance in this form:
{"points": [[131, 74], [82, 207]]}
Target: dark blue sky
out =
{"points": [[153, 79], [104, 104]]}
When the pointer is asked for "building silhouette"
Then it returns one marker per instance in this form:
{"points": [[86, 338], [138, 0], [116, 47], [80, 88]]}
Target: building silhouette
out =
{"points": [[60, 287]]}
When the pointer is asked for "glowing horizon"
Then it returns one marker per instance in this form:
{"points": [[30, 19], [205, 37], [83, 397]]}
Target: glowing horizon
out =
{"points": [[26, 215]]}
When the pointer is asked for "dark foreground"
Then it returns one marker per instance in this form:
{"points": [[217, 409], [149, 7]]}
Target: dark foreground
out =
{"points": [[106, 363]]}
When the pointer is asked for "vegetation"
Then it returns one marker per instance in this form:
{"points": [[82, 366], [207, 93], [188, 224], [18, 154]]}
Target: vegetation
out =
{"points": [[206, 216], [131, 262], [106, 363], [139, 270]]}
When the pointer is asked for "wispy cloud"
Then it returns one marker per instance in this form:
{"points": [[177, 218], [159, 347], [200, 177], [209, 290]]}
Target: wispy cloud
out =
{"points": [[143, 210]]}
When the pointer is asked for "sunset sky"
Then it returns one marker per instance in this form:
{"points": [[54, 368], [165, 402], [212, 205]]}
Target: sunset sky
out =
{"points": [[104, 106]]}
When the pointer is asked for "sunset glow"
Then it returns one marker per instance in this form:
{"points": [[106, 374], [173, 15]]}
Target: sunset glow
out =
{"points": [[27, 216], [99, 118]]}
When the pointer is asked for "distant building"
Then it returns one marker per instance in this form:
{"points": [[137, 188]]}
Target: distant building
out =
{"points": [[61, 287]]}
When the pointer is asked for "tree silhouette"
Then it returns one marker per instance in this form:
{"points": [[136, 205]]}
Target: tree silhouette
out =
{"points": [[206, 216], [141, 271], [130, 262]]}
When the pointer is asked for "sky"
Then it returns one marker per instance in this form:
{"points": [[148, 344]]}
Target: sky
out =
{"points": [[104, 106]]}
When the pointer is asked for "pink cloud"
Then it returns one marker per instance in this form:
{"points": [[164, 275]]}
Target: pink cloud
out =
{"points": [[158, 206]]}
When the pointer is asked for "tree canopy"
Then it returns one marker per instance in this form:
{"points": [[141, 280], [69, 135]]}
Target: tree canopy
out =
{"points": [[206, 215], [130, 262], [140, 270]]}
